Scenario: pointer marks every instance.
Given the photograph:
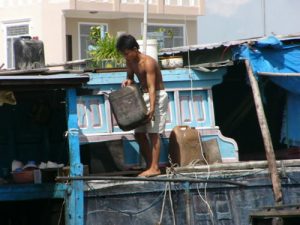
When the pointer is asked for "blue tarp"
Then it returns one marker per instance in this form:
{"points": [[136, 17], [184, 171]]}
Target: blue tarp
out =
{"points": [[272, 56]]}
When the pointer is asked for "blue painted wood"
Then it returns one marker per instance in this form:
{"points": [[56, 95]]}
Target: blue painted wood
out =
{"points": [[92, 114], [74, 200], [194, 108], [73, 130], [190, 103], [228, 150], [32, 191], [132, 155], [194, 104], [172, 114], [177, 75]]}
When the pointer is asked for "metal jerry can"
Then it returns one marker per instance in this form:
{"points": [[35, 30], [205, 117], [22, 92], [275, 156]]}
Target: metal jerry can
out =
{"points": [[29, 53], [185, 146], [128, 107]]}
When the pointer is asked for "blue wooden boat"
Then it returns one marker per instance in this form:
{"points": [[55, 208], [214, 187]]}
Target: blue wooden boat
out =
{"points": [[230, 193], [202, 194], [237, 191]]}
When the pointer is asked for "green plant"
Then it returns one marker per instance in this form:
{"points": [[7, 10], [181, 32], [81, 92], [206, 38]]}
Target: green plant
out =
{"points": [[169, 32], [164, 36], [104, 50]]}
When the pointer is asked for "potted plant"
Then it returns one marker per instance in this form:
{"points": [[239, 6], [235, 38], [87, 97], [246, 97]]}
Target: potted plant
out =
{"points": [[103, 50]]}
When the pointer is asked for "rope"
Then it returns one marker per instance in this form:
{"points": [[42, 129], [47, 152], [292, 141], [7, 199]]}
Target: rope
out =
{"points": [[170, 171], [163, 205], [204, 199]]}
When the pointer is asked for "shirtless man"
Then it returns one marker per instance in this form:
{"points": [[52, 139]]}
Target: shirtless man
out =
{"points": [[148, 73]]}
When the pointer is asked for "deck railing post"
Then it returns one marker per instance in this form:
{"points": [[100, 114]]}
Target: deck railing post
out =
{"points": [[187, 197], [75, 194]]}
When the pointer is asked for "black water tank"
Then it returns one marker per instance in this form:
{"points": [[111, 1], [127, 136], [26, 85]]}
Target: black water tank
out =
{"points": [[29, 53]]}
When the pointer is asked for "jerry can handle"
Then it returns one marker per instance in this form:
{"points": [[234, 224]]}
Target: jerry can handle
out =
{"points": [[183, 127]]}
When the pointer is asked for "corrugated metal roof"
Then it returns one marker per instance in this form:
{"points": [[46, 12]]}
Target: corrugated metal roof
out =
{"points": [[210, 67], [42, 81], [182, 49]]}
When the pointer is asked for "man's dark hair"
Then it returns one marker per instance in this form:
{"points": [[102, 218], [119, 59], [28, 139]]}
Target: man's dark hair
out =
{"points": [[126, 41]]}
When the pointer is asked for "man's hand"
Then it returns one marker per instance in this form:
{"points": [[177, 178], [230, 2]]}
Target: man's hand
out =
{"points": [[150, 115], [127, 82]]}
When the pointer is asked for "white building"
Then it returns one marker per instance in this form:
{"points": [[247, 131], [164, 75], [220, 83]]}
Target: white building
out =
{"points": [[63, 25]]}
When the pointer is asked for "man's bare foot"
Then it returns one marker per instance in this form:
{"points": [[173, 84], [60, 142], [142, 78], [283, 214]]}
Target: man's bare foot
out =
{"points": [[150, 173]]}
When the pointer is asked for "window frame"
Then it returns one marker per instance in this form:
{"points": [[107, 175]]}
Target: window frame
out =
{"points": [[79, 34], [5, 26], [165, 25], [192, 3], [151, 2]]}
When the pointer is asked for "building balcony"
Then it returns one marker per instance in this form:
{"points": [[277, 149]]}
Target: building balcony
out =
{"points": [[167, 9], [155, 7]]}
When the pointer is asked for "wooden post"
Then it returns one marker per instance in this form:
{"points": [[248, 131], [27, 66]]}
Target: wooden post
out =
{"points": [[276, 182], [75, 194]]}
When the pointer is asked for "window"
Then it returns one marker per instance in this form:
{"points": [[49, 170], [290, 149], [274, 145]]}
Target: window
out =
{"points": [[182, 2], [167, 36], [13, 31], [138, 1], [130, 1], [84, 42]]}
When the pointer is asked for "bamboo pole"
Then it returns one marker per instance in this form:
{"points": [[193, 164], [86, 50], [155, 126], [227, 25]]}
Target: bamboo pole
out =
{"points": [[276, 182], [153, 179], [237, 166], [279, 74]]}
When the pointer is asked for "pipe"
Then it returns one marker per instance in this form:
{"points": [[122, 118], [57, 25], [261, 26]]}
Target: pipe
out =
{"points": [[145, 27]]}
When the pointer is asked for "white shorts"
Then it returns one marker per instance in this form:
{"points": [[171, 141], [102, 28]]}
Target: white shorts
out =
{"points": [[160, 115]]}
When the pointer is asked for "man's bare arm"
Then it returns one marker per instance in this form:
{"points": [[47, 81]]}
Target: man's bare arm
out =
{"points": [[130, 77], [151, 79]]}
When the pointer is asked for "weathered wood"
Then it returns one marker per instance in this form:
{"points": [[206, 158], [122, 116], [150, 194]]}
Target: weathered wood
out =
{"points": [[69, 63], [276, 182], [161, 178], [119, 173], [74, 207], [237, 166]]}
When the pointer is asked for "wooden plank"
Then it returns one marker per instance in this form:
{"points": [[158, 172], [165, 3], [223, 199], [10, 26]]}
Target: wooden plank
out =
{"points": [[237, 166], [276, 182], [74, 202], [279, 74], [120, 173], [23, 72]]}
